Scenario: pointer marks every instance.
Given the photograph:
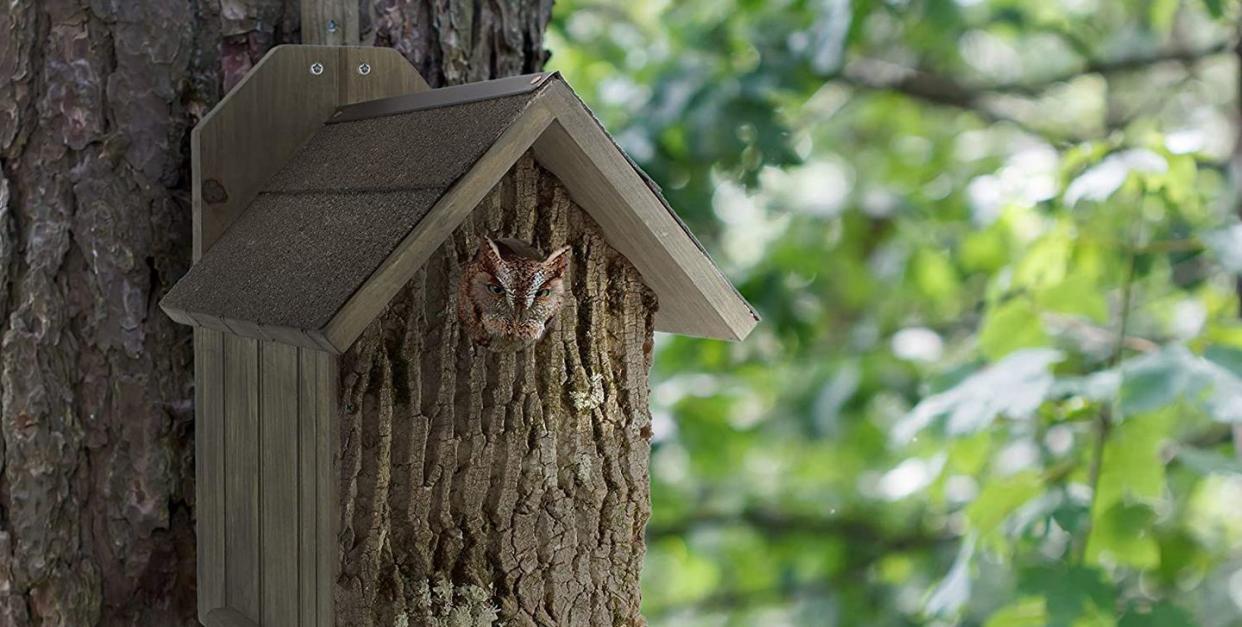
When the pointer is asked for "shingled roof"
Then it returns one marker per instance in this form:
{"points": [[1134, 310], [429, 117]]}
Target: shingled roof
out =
{"points": [[367, 199]]}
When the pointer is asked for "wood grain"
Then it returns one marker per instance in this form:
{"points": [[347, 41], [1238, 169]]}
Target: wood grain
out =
{"points": [[278, 490], [242, 420], [316, 15], [307, 488], [258, 125], [326, 478], [388, 75], [227, 617], [209, 467]]}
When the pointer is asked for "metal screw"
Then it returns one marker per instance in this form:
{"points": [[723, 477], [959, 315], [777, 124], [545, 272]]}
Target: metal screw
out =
{"points": [[316, 68], [331, 26], [364, 69]]}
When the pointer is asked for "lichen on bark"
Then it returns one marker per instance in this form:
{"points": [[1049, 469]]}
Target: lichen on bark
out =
{"points": [[520, 474]]}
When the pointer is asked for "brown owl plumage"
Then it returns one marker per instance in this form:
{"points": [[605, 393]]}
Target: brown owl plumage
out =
{"points": [[509, 292]]}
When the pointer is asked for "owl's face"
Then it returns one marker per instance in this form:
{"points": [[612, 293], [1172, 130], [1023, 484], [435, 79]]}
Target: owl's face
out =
{"points": [[514, 291]]}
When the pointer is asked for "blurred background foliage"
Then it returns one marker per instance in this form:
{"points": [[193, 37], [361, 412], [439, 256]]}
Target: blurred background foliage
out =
{"points": [[995, 244]]}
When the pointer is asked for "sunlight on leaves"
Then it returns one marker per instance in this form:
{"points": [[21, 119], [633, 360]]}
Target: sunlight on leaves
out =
{"points": [[1103, 179], [973, 404]]}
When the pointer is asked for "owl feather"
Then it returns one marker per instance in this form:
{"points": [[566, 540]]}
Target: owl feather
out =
{"points": [[509, 293]]}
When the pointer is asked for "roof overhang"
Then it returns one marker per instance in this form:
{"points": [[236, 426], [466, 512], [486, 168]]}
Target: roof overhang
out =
{"points": [[695, 298]]}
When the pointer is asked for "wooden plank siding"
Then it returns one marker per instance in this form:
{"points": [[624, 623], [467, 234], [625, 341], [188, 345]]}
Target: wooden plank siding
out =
{"points": [[307, 486], [241, 393], [278, 494], [327, 481], [209, 468], [267, 481]]}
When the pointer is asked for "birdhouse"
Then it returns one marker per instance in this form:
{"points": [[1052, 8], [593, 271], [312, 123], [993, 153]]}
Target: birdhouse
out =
{"points": [[423, 324]]}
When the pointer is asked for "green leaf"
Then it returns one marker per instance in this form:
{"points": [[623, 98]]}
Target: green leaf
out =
{"points": [[1123, 535], [1009, 327], [1215, 8], [1209, 462], [1131, 468], [1227, 357], [1045, 263], [1071, 592], [934, 274], [1159, 615], [1162, 13], [1153, 382], [1077, 294], [1157, 380], [1071, 516], [999, 498], [973, 404], [1025, 612]]}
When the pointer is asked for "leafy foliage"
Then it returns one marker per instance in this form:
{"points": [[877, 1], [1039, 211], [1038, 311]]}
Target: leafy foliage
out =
{"points": [[996, 248]]}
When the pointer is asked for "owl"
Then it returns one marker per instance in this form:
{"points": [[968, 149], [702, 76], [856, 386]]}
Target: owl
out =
{"points": [[509, 293]]}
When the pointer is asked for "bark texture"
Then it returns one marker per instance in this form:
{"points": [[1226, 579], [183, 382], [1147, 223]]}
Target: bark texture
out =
{"points": [[97, 98], [480, 486]]}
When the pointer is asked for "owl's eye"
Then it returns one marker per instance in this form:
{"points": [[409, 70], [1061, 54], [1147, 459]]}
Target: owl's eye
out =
{"points": [[495, 289], [543, 291]]}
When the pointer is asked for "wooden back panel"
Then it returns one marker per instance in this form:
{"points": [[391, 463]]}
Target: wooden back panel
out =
{"points": [[256, 128], [264, 436]]}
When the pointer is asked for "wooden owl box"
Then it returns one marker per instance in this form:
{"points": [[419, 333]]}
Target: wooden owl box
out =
{"points": [[423, 323]]}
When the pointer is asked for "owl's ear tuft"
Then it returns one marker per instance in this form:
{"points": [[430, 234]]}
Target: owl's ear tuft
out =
{"points": [[489, 254], [558, 261]]}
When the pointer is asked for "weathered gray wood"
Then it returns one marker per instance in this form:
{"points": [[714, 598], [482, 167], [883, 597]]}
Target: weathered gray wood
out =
{"points": [[308, 493], [446, 215], [257, 126], [232, 326], [387, 75], [695, 298], [330, 22], [327, 481], [209, 467], [278, 490], [242, 420], [227, 617]]}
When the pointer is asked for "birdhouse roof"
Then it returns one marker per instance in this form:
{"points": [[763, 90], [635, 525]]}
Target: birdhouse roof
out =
{"points": [[332, 237]]}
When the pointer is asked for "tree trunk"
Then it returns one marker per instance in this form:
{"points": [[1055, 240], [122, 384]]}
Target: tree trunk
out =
{"points": [[480, 485], [97, 98]]}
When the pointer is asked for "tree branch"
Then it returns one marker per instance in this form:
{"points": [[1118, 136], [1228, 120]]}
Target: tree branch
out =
{"points": [[945, 90]]}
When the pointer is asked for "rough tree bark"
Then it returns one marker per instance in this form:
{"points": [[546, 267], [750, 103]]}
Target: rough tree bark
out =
{"points": [[97, 98], [480, 485]]}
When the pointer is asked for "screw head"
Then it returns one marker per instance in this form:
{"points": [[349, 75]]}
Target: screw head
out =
{"points": [[316, 68], [364, 69], [331, 26]]}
